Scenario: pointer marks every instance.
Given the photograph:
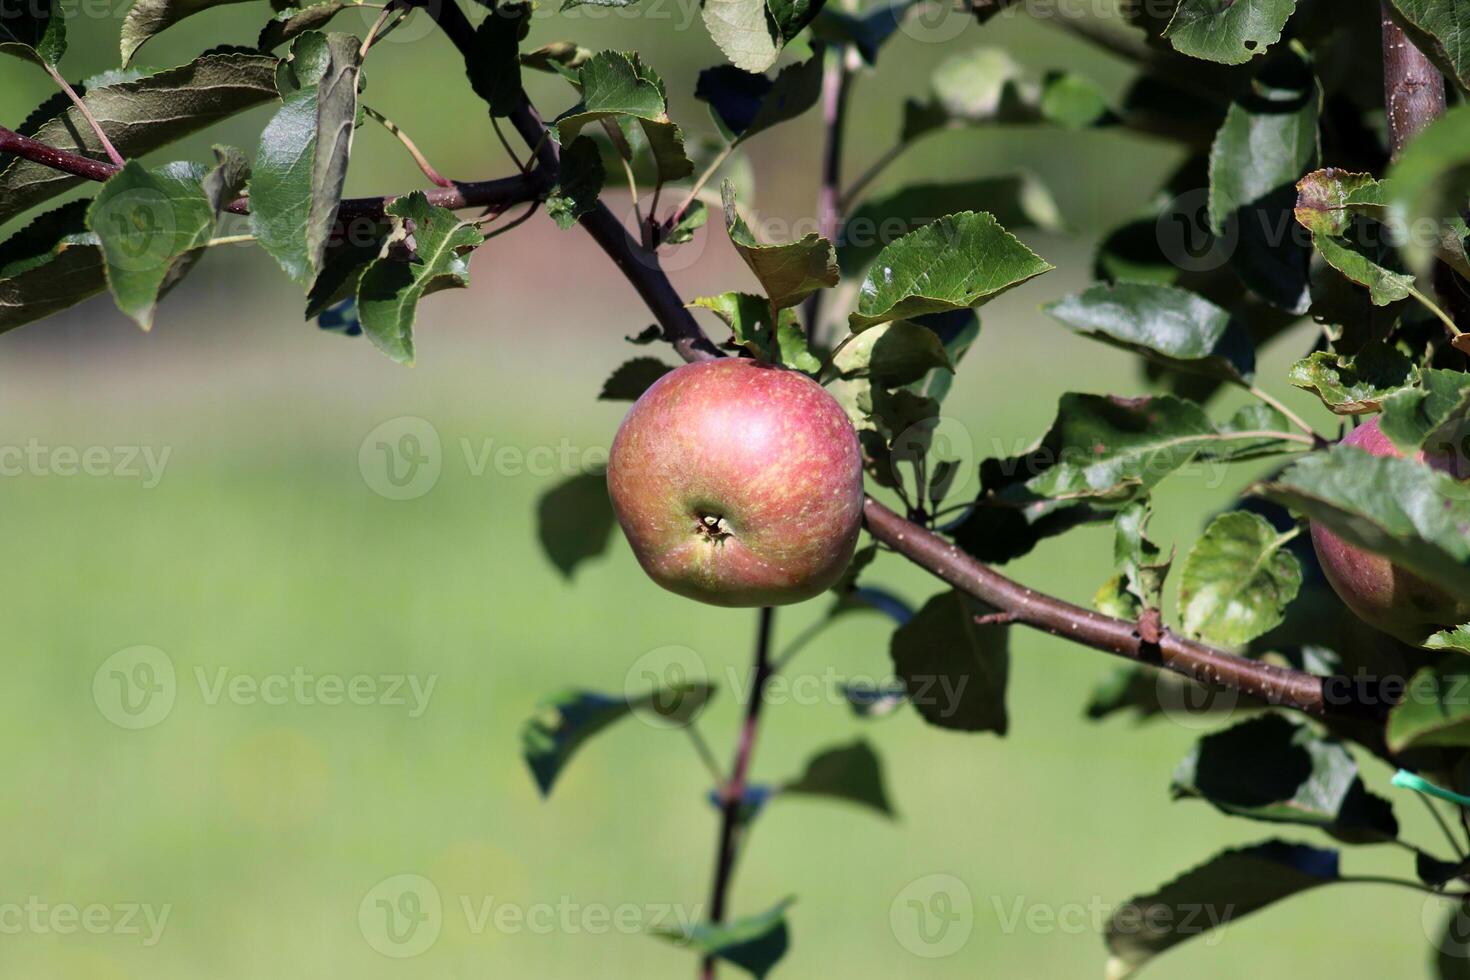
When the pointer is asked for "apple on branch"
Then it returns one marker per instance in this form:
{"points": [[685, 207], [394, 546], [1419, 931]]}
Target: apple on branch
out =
{"points": [[1382, 594], [738, 483]]}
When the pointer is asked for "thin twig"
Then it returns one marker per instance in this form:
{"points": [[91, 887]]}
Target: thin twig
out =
{"points": [[836, 86], [702, 749], [81, 105], [1459, 848], [510, 150], [732, 794], [678, 213], [378, 31], [1434, 308], [409, 145], [1315, 437]]}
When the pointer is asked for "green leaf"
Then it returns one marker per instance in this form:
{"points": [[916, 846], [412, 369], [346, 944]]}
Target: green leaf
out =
{"points": [[616, 84], [1413, 515], [574, 521], [954, 670], [1170, 326], [755, 943], [145, 221], [1435, 709], [851, 772], [1267, 142], [301, 164], [690, 221], [1114, 450], [391, 287], [140, 116], [579, 183], [1327, 199], [632, 378], [1237, 580], [149, 17], [1281, 771], [1354, 385], [292, 22], [1016, 201], [563, 723], [51, 264], [1365, 268], [961, 260], [892, 354], [1430, 183], [749, 318], [1413, 417], [34, 30], [1141, 563], [1457, 639], [789, 272], [1441, 29], [1230, 886], [558, 58], [1231, 32], [493, 62], [744, 104]]}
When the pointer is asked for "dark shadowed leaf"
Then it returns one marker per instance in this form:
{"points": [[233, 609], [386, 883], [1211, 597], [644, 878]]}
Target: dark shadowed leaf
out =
{"points": [[292, 22], [1430, 182], [755, 943], [562, 724], [1165, 324], [574, 521], [1237, 580], [49, 265], [954, 670], [493, 62], [1280, 771], [744, 103], [852, 772], [149, 17], [390, 289], [867, 31], [579, 183], [1412, 417], [1452, 944], [1230, 886], [893, 354], [139, 116], [632, 378], [961, 260], [34, 30]]}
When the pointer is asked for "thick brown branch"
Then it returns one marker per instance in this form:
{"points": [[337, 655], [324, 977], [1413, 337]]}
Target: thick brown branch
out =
{"points": [[1413, 89], [504, 192]]}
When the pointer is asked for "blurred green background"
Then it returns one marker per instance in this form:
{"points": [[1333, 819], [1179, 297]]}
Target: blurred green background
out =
{"points": [[263, 550]]}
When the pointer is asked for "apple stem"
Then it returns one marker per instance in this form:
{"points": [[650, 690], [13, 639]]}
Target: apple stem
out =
{"points": [[732, 793]]}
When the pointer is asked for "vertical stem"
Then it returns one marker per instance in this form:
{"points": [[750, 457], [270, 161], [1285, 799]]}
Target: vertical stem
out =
{"points": [[76, 100], [836, 80], [1413, 89], [732, 794]]}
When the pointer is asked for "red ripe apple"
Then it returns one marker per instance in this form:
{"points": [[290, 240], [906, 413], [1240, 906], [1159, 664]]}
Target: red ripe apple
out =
{"points": [[738, 483], [1382, 594]]}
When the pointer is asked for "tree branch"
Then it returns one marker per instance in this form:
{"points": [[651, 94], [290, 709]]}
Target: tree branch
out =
{"points": [[732, 794], [502, 192], [836, 83], [1413, 89]]}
